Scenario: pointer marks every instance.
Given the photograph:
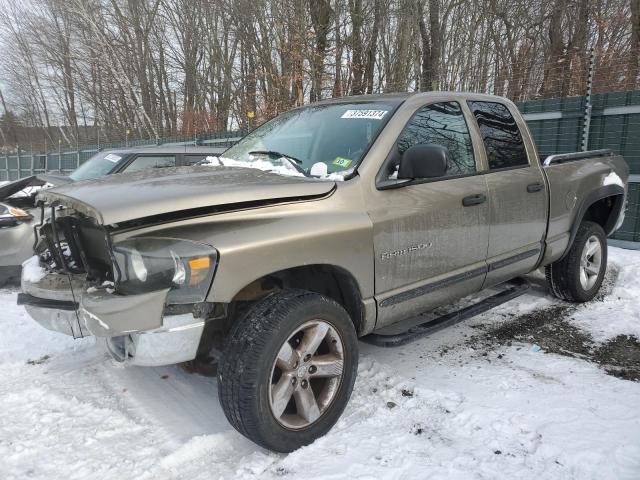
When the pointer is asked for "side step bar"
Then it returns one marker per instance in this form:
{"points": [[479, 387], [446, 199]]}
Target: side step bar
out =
{"points": [[515, 288]]}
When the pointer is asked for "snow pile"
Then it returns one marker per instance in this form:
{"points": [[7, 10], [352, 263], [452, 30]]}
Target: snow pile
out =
{"points": [[22, 339], [32, 271], [284, 168], [613, 179], [619, 312], [416, 412]]}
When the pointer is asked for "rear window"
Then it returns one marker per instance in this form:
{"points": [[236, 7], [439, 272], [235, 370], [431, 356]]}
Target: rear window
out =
{"points": [[500, 134]]}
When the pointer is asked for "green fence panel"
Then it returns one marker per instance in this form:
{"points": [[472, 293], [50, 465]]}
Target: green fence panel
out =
{"points": [[630, 230], [53, 162], [4, 170]]}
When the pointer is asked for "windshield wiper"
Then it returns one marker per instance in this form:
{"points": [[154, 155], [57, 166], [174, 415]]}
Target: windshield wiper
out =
{"points": [[296, 162], [273, 153]]}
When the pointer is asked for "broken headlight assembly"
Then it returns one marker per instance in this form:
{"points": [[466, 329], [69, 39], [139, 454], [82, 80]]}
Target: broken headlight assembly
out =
{"points": [[11, 216], [149, 264]]}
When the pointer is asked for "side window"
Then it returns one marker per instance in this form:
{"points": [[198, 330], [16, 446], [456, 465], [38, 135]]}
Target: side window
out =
{"points": [[151, 161], [501, 135], [195, 158], [441, 124]]}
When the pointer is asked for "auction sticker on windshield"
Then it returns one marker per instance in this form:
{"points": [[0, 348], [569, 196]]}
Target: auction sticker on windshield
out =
{"points": [[112, 158], [368, 114]]}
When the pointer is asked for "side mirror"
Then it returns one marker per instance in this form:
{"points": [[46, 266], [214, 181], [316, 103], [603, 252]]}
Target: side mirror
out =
{"points": [[423, 161]]}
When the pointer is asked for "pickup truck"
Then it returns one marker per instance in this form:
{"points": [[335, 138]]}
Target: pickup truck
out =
{"points": [[326, 224]]}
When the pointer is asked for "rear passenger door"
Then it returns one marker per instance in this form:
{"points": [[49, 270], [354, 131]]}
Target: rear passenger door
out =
{"points": [[517, 193]]}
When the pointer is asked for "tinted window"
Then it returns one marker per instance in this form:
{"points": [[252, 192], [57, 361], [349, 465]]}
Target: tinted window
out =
{"points": [[193, 159], [151, 161], [501, 135], [441, 124]]}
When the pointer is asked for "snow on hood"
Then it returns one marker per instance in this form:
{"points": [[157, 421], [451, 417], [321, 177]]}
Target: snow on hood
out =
{"points": [[318, 170]]}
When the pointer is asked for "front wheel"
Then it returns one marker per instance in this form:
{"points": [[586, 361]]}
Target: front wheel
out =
{"points": [[578, 276], [288, 369]]}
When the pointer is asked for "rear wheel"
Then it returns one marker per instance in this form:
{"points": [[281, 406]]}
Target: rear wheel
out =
{"points": [[288, 369], [578, 276]]}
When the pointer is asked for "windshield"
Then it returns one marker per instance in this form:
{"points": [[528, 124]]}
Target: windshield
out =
{"points": [[97, 166], [318, 140]]}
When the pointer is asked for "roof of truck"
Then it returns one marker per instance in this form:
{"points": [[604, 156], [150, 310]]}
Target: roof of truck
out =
{"points": [[400, 96]]}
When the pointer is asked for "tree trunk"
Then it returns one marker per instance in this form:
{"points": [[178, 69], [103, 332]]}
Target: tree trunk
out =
{"points": [[357, 47], [321, 16], [634, 65]]}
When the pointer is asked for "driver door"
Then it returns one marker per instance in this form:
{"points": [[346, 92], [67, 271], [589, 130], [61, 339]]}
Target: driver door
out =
{"points": [[431, 236]]}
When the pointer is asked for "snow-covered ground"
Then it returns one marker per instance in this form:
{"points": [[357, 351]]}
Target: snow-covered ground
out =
{"points": [[442, 407]]}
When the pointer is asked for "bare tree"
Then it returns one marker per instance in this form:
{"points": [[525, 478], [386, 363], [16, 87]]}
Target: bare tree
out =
{"points": [[105, 70]]}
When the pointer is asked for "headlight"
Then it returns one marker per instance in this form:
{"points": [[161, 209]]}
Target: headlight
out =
{"points": [[10, 216], [147, 264]]}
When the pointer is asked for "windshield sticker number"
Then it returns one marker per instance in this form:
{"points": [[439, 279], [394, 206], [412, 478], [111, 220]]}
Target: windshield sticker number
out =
{"points": [[366, 114], [342, 162], [112, 158]]}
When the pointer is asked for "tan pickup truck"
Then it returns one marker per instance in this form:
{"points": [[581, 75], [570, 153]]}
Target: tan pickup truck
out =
{"points": [[330, 222]]}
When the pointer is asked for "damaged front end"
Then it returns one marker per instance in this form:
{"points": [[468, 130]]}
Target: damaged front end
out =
{"points": [[145, 296]]}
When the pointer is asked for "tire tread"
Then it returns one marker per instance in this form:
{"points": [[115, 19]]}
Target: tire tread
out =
{"points": [[237, 372]]}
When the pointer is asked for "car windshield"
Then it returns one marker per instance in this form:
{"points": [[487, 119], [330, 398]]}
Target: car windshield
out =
{"points": [[317, 140], [97, 166]]}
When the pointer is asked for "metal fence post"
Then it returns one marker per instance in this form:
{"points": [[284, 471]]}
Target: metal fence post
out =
{"points": [[586, 124]]}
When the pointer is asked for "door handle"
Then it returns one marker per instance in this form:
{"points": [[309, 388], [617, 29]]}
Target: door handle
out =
{"points": [[535, 187], [474, 200]]}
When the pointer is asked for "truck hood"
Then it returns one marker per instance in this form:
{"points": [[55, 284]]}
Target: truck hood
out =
{"points": [[125, 197]]}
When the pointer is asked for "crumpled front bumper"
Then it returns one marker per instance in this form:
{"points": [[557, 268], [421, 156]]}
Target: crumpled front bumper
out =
{"points": [[135, 327]]}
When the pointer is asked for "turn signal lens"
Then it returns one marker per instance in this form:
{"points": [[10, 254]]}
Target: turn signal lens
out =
{"points": [[17, 212], [199, 269]]}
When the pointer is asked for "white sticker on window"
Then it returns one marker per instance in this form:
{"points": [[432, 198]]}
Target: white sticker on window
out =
{"points": [[367, 114], [112, 157]]}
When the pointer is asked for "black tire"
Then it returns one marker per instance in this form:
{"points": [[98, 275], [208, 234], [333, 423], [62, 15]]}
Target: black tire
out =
{"points": [[563, 276], [249, 353]]}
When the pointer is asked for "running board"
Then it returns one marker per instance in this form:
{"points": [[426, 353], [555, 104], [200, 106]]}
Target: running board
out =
{"points": [[515, 288]]}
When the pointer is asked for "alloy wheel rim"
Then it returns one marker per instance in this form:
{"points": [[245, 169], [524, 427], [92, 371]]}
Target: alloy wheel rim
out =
{"points": [[306, 374], [590, 262]]}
